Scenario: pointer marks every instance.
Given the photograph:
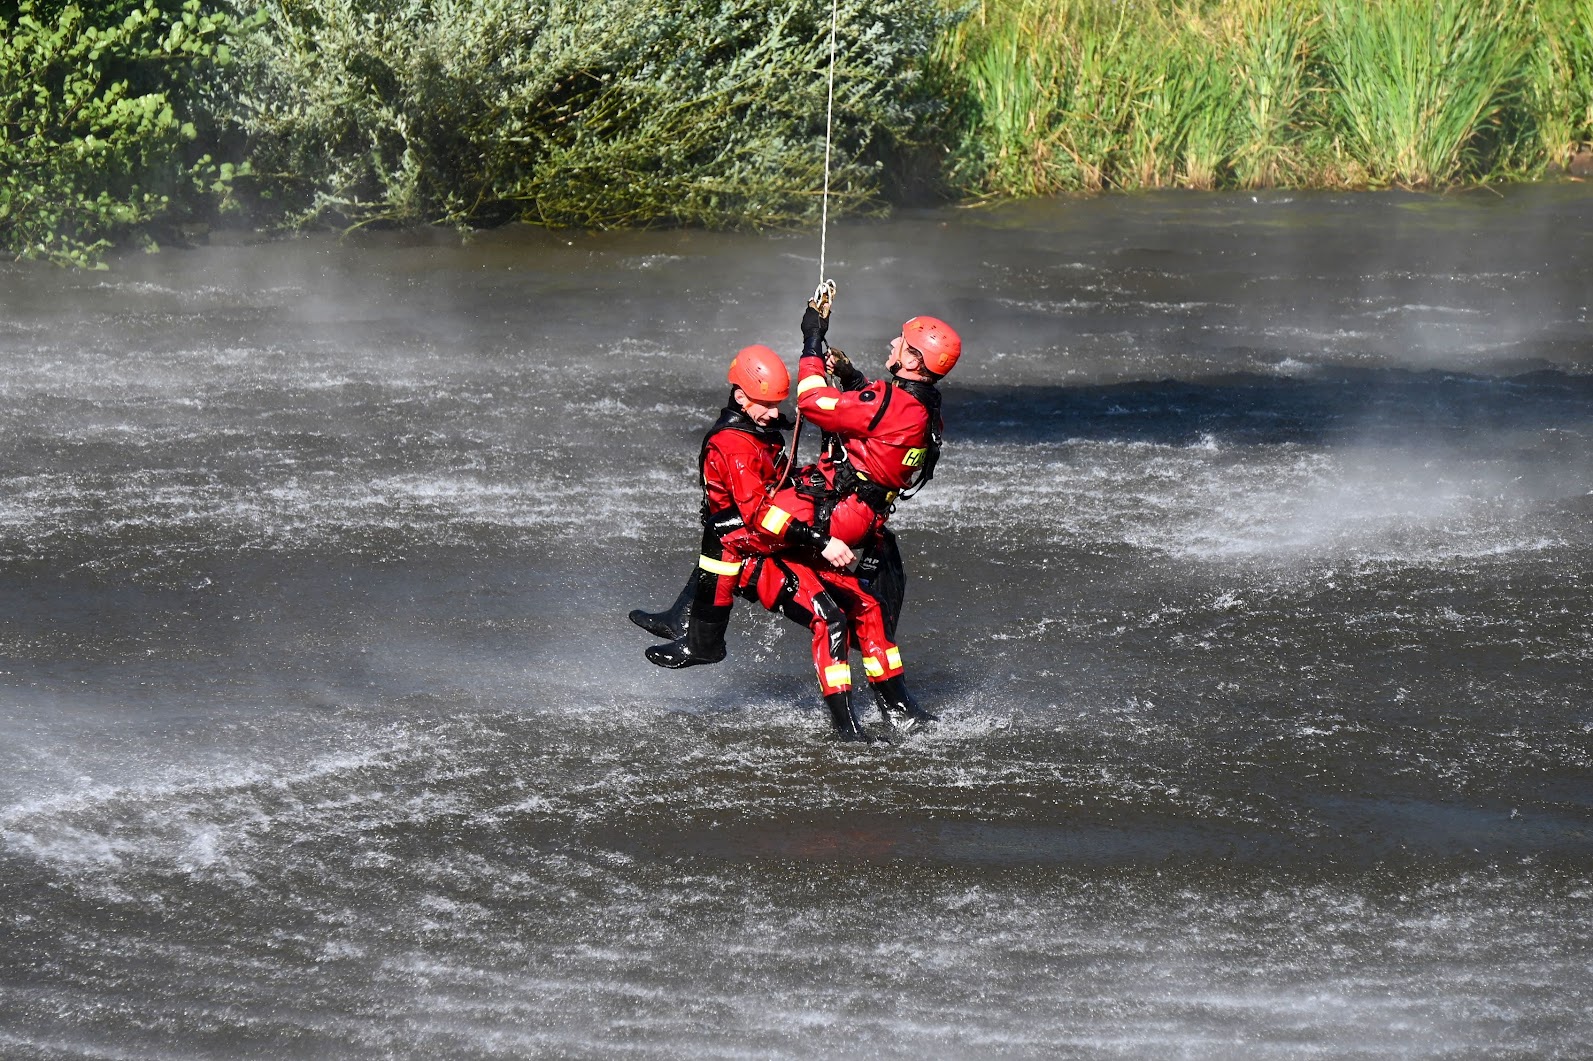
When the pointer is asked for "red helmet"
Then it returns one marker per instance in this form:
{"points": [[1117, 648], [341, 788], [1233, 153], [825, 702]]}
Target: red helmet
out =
{"points": [[760, 372], [936, 340]]}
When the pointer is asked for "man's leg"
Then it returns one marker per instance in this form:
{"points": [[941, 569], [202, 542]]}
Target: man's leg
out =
{"points": [[882, 659], [709, 611], [794, 590], [671, 622]]}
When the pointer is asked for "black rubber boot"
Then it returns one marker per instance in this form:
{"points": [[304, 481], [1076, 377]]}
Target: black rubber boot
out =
{"points": [[704, 641], [844, 719], [897, 706], [670, 623]]}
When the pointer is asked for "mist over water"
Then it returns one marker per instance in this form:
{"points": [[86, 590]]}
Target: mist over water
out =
{"points": [[1251, 589]]}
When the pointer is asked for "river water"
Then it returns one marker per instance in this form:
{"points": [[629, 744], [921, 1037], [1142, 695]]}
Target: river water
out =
{"points": [[1252, 590]]}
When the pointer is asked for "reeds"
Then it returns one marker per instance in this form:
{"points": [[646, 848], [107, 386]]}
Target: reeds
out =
{"points": [[1082, 94], [1561, 86], [1417, 86], [1271, 42]]}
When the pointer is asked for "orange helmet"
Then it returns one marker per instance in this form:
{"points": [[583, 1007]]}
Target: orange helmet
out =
{"points": [[760, 372], [936, 340]]}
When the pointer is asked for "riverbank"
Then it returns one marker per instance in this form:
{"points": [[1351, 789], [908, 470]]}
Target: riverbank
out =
{"points": [[134, 123]]}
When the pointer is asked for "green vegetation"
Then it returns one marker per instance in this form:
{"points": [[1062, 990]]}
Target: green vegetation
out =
{"points": [[1085, 94], [1561, 83], [578, 112], [92, 125], [126, 118], [1419, 87]]}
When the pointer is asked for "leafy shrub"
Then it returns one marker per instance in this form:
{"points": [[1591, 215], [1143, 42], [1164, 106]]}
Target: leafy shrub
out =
{"points": [[93, 121], [578, 112]]}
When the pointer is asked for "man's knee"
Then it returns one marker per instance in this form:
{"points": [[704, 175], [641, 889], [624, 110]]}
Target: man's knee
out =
{"points": [[825, 610]]}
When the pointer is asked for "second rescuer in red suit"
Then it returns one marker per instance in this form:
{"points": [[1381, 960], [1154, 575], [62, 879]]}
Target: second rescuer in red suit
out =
{"points": [[784, 571], [885, 440]]}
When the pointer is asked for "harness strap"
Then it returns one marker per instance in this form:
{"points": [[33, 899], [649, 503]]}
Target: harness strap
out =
{"points": [[848, 480], [751, 572], [879, 414], [788, 587], [811, 484]]}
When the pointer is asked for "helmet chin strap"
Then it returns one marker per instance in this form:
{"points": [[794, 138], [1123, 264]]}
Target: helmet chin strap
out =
{"points": [[896, 363]]}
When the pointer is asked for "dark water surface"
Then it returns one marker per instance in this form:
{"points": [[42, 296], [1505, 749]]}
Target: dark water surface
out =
{"points": [[1253, 590]]}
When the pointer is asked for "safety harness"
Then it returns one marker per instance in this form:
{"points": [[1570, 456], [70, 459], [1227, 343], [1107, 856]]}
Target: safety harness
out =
{"points": [[849, 481]]}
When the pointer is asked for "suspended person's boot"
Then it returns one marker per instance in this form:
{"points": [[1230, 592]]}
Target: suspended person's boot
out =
{"points": [[670, 623], [704, 641], [843, 719], [897, 706]]}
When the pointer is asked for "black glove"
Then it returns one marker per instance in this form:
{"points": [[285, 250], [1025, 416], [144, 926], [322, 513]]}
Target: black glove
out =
{"points": [[844, 371], [814, 325]]}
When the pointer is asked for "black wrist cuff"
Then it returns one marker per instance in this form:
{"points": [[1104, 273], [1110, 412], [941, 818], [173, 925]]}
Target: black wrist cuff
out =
{"points": [[799, 533]]}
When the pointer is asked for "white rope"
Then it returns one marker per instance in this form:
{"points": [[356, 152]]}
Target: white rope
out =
{"points": [[829, 120], [826, 289]]}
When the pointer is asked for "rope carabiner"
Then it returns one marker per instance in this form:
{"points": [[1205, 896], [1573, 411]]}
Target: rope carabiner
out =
{"points": [[823, 297]]}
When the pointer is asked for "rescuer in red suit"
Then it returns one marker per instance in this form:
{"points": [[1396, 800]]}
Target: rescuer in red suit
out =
{"points": [[884, 435], [882, 443], [795, 570]]}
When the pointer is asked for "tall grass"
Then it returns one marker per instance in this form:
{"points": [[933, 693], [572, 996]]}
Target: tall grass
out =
{"points": [[1417, 85], [1014, 88], [1562, 82], [1127, 93], [1082, 94], [1271, 42], [1181, 123]]}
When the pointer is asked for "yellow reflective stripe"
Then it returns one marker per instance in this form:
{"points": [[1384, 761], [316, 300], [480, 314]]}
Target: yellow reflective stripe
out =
{"points": [[893, 658], [807, 383], [718, 567], [838, 676], [872, 667], [774, 520], [827, 404]]}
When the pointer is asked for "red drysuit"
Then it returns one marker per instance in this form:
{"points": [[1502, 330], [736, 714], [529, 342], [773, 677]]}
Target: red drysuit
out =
{"points": [[745, 546]]}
